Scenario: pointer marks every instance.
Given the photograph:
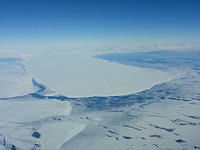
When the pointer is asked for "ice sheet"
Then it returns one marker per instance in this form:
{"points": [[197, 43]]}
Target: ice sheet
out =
{"points": [[82, 75], [14, 79], [21, 118]]}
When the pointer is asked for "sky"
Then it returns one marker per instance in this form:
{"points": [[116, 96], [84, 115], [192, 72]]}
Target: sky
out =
{"points": [[65, 23]]}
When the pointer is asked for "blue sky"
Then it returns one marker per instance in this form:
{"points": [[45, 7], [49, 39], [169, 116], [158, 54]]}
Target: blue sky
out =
{"points": [[63, 23]]}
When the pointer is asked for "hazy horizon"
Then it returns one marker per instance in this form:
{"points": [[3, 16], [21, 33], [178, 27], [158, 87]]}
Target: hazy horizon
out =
{"points": [[43, 24]]}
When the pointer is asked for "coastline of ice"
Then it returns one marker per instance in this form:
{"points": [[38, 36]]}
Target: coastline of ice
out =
{"points": [[163, 117], [82, 75]]}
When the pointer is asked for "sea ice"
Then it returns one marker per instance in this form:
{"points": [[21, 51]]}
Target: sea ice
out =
{"points": [[14, 79], [82, 75]]}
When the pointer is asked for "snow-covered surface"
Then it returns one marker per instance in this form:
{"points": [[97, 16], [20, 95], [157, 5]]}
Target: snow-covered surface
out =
{"points": [[21, 110], [20, 118], [14, 80], [82, 75], [163, 117], [158, 125], [58, 133]]}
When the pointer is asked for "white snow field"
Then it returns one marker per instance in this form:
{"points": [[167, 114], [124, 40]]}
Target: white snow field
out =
{"points": [[82, 75], [14, 80], [20, 118], [165, 116]]}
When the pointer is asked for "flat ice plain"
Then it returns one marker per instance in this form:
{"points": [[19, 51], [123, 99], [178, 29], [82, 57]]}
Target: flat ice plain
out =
{"points": [[165, 116], [14, 80], [82, 75]]}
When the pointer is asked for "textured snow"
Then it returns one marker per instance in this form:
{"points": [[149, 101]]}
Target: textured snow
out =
{"points": [[58, 133], [20, 118], [163, 117]]}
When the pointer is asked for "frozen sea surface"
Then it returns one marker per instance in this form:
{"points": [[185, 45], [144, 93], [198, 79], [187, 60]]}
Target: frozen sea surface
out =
{"points": [[14, 79], [82, 75], [166, 116]]}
